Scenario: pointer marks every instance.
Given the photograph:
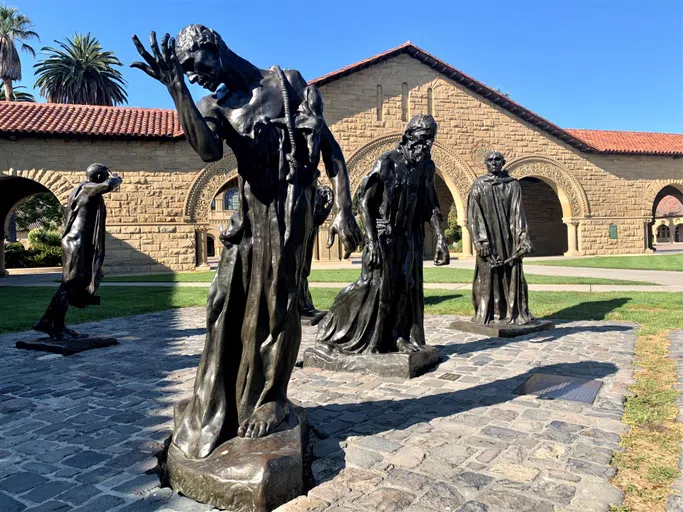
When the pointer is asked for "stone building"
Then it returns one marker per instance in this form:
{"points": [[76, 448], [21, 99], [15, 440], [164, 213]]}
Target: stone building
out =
{"points": [[586, 191]]}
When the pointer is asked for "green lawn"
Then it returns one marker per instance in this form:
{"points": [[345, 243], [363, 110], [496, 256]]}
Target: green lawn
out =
{"points": [[432, 275], [646, 262], [655, 311]]}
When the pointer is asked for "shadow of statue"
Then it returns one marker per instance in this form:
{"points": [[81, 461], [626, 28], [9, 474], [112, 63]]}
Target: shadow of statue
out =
{"points": [[335, 423], [433, 300], [537, 337], [590, 310]]}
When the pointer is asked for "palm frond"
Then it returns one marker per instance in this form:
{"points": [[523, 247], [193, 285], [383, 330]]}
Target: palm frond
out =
{"points": [[15, 28], [18, 95], [79, 71]]}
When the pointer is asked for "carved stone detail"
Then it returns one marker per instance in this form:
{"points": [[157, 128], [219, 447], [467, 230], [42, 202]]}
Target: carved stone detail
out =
{"points": [[543, 167], [447, 163], [205, 187]]}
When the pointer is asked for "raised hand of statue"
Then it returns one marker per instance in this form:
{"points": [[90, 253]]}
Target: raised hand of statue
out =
{"points": [[345, 225], [162, 64], [441, 255]]}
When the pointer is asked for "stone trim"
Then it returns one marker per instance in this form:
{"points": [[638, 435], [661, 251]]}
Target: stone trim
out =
{"points": [[206, 185], [54, 181], [564, 183], [452, 168]]}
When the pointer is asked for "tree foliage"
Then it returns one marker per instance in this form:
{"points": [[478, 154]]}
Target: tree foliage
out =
{"points": [[80, 72], [15, 28], [453, 232], [18, 95], [41, 208]]}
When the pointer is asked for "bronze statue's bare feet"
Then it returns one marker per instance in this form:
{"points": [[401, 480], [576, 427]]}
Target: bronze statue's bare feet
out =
{"points": [[264, 420], [407, 347]]}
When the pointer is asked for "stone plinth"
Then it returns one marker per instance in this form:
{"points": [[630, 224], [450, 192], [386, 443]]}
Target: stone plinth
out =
{"points": [[395, 364], [502, 330], [245, 475], [67, 347]]}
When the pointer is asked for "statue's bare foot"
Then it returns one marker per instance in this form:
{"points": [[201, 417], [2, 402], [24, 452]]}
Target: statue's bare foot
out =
{"points": [[264, 420], [407, 347]]}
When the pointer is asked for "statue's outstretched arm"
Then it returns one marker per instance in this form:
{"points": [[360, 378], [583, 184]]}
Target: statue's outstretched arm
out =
{"points": [[163, 66]]}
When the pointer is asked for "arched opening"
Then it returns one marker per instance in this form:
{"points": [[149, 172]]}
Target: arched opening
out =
{"points": [[667, 205], [450, 219], [544, 212], [210, 246], [25, 205], [663, 233]]}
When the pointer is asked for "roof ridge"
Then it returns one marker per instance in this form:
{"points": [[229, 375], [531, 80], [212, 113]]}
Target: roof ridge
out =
{"points": [[622, 131], [82, 107]]}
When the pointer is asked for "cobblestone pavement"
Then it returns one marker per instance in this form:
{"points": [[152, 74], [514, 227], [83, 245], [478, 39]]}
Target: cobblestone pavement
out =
{"points": [[675, 501], [80, 432]]}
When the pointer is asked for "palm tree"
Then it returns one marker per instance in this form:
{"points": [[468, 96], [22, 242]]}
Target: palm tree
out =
{"points": [[18, 95], [14, 28], [80, 72]]}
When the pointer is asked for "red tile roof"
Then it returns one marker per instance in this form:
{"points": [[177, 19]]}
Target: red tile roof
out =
{"points": [[610, 141], [88, 120], [144, 123]]}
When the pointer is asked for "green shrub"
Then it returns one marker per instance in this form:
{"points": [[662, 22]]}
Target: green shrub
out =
{"points": [[17, 256], [453, 232], [40, 238], [458, 246]]}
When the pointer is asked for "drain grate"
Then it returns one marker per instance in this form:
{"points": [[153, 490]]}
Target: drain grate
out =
{"points": [[560, 386]]}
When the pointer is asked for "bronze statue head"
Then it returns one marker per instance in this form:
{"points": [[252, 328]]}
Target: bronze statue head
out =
{"points": [[494, 162], [198, 50], [97, 173], [418, 138]]}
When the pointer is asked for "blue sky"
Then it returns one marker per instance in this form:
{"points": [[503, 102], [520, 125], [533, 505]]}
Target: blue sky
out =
{"points": [[596, 64]]}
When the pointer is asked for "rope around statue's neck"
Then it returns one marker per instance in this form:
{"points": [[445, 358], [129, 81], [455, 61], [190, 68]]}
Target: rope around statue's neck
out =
{"points": [[289, 122]]}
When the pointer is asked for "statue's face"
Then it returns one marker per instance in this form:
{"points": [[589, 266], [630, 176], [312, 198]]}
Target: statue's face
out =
{"points": [[201, 66], [494, 162], [419, 145]]}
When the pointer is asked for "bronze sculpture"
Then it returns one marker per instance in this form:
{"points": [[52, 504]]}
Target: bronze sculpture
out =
{"points": [[272, 120], [383, 311], [322, 206], [498, 227], [82, 259]]}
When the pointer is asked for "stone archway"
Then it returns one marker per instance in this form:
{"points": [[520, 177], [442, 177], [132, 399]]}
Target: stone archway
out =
{"points": [[453, 170], [18, 185], [572, 198], [653, 195], [205, 187]]}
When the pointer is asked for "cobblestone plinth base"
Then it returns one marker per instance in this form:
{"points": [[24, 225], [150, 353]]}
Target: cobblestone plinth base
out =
{"points": [[245, 475], [502, 330], [66, 347], [396, 364]]}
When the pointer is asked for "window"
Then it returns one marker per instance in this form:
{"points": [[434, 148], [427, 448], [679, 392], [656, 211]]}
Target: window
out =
{"points": [[404, 101], [430, 102], [213, 205], [231, 200], [663, 232], [380, 102]]}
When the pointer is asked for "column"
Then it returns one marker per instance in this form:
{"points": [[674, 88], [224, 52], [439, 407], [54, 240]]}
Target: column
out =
{"points": [[672, 231], [3, 272], [466, 242], [202, 250], [572, 238]]}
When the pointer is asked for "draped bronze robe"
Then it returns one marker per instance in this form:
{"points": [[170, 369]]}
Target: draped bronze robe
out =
{"points": [[495, 218]]}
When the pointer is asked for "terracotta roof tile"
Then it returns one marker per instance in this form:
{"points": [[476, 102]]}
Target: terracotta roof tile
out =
{"points": [[610, 141], [88, 120]]}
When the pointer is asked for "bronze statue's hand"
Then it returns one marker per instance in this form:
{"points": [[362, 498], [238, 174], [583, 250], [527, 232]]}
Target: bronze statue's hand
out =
{"points": [[162, 64], [441, 255], [374, 256], [346, 227], [484, 251]]}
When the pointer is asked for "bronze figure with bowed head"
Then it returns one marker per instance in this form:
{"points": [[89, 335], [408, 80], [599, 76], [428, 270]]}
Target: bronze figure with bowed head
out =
{"points": [[272, 121], [383, 311]]}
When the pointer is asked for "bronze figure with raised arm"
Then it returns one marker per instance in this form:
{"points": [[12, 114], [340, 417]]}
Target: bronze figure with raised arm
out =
{"points": [[272, 121]]}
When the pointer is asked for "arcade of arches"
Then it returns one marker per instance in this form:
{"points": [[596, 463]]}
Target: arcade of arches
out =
{"points": [[586, 192]]}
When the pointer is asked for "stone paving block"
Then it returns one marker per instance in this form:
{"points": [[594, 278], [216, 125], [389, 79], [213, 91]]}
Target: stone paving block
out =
{"points": [[51, 506], [47, 491], [21, 482], [139, 485], [102, 503], [8, 504], [79, 494], [85, 459]]}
